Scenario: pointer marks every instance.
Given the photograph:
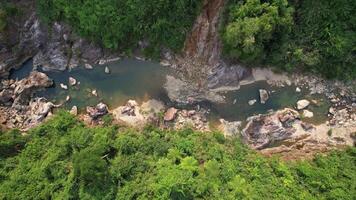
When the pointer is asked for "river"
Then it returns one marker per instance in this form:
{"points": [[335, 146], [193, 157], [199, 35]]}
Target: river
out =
{"points": [[143, 80]]}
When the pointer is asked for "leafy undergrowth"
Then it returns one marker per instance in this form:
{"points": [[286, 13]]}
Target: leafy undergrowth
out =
{"points": [[63, 159]]}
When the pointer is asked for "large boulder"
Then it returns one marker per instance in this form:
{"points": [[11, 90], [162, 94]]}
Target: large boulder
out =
{"points": [[262, 131], [263, 96], [302, 104]]}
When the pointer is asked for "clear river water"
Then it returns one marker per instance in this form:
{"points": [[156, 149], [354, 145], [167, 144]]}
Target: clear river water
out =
{"points": [[143, 80]]}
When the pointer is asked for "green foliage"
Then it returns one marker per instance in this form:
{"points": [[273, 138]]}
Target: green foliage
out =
{"points": [[319, 37], [63, 159], [253, 25], [6, 10], [121, 24]]}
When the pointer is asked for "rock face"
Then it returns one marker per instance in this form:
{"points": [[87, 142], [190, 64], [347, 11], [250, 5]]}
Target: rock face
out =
{"points": [[302, 104], [263, 96], [203, 42], [53, 48]]}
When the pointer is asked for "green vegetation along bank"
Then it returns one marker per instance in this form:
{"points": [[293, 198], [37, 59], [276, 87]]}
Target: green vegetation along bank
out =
{"points": [[316, 36], [121, 24], [63, 159]]}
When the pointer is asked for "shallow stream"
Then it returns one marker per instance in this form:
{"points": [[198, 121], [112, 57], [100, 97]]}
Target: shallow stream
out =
{"points": [[143, 80]]}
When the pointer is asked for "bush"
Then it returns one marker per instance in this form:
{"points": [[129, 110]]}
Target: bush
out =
{"points": [[319, 37], [71, 161], [252, 27], [121, 24]]}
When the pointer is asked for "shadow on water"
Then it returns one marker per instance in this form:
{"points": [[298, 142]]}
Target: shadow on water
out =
{"points": [[143, 80]]}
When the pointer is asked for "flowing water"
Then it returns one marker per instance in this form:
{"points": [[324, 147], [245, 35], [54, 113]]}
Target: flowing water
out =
{"points": [[143, 80]]}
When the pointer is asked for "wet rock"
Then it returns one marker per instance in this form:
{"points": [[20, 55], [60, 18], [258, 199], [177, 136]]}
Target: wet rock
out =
{"points": [[302, 104], [170, 114], [63, 86], [74, 110], [263, 96], [72, 81], [98, 111], [298, 89], [308, 114], [67, 98], [252, 102], [107, 70]]}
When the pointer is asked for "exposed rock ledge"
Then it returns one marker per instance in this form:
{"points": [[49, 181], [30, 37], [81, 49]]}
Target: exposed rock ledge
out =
{"points": [[284, 133], [17, 107]]}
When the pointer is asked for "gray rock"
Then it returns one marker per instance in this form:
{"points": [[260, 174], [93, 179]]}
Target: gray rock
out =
{"points": [[107, 70], [72, 81], [252, 102], [186, 93], [302, 104], [263, 96]]}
